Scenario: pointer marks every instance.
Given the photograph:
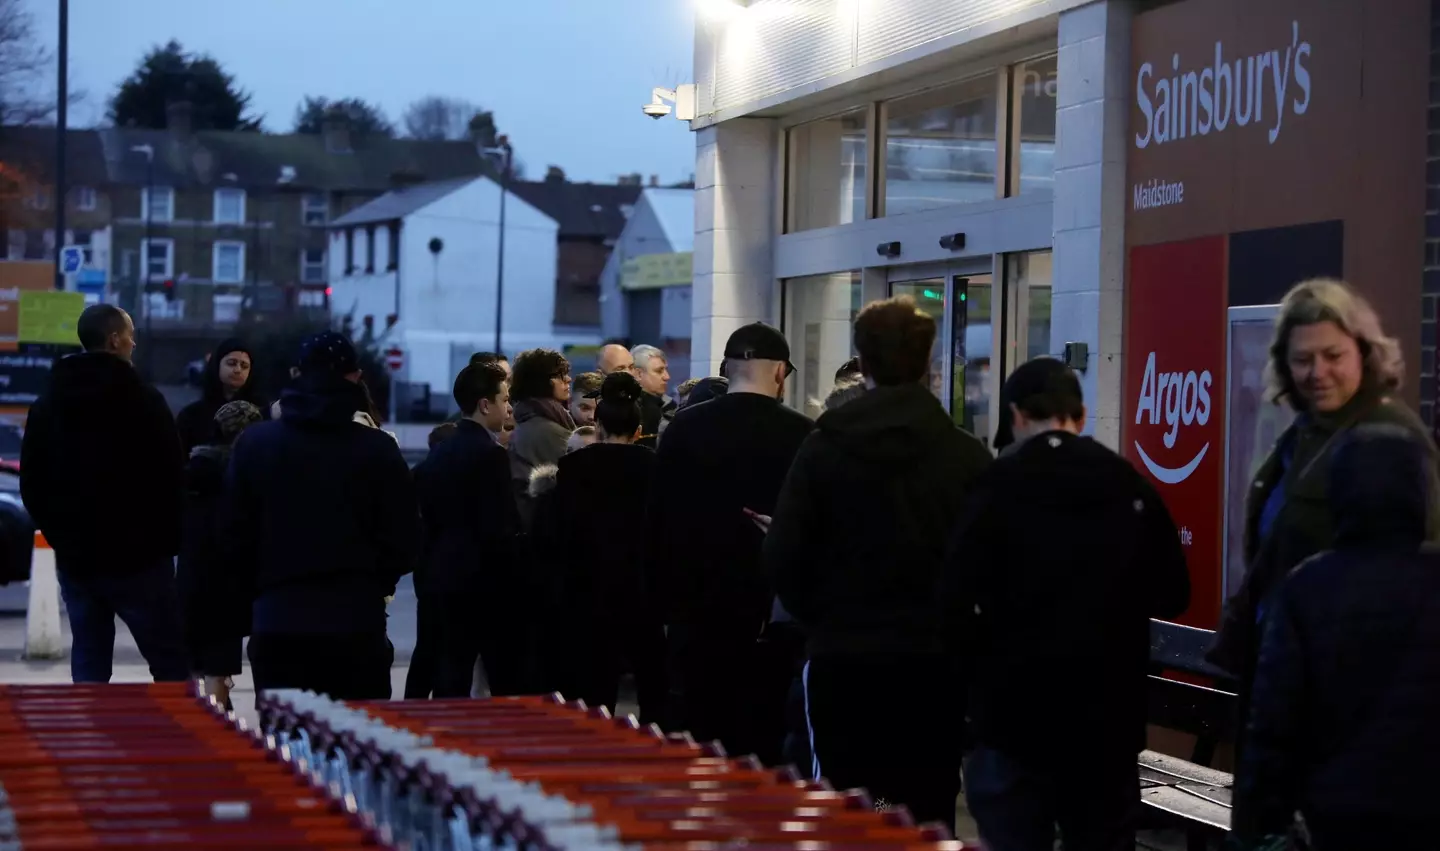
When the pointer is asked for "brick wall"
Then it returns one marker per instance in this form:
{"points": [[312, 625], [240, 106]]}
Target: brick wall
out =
{"points": [[1430, 288]]}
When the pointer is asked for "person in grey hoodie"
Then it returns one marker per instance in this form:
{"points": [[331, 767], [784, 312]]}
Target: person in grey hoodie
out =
{"points": [[855, 551]]}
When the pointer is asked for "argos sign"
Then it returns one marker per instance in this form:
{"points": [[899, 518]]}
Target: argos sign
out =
{"points": [[1174, 426]]}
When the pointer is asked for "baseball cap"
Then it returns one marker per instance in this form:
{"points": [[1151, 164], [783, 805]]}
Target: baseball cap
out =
{"points": [[758, 341], [328, 353]]}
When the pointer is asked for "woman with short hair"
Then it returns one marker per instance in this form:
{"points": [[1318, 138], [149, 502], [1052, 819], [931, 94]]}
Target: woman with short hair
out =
{"points": [[540, 393], [1332, 364]]}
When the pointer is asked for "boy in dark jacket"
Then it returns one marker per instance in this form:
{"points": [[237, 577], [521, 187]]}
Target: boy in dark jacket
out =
{"points": [[471, 576], [322, 521], [1063, 555], [855, 550], [213, 624], [1347, 691]]}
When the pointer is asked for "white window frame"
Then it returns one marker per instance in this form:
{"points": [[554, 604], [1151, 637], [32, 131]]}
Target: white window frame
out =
{"points": [[86, 199], [322, 266], [169, 244], [314, 202], [218, 204], [215, 261], [168, 192]]}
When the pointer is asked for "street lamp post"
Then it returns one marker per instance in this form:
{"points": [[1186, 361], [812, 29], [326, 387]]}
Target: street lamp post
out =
{"points": [[149, 203], [62, 115], [504, 149]]}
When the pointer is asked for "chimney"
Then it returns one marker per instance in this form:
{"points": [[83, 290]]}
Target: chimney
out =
{"points": [[336, 131], [654, 180], [554, 174], [180, 118]]}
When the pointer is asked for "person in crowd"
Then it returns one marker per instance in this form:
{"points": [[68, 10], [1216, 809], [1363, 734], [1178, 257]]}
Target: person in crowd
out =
{"points": [[601, 606], [864, 591], [541, 394], [471, 522], [213, 624], [614, 357], [1061, 557], [493, 357], [844, 392], [583, 394], [1347, 686], [849, 371], [721, 462], [656, 406], [229, 377], [424, 659], [682, 393], [706, 389], [507, 432], [322, 520], [102, 476], [582, 437], [1331, 363]]}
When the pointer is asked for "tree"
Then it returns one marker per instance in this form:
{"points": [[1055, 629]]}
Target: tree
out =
{"points": [[364, 118], [25, 93], [442, 119], [168, 75]]}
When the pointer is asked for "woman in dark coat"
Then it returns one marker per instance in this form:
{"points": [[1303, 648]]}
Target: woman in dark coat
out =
{"points": [[590, 542], [214, 626], [1332, 364], [229, 377]]}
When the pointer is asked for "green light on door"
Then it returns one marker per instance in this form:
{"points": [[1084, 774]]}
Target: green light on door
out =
{"points": [[963, 296]]}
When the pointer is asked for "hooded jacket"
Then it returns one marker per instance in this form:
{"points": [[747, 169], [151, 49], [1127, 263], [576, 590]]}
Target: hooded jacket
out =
{"points": [[102, 469], [1347, 687], [196, 421], [859, 534], [321, 514]]}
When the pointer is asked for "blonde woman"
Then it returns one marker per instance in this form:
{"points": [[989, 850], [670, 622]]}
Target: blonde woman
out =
{"points": [[1332, 364]]}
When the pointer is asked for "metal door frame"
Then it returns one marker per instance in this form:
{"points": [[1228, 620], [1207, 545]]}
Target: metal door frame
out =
{"points": [[1234, 316], [947, 272]]}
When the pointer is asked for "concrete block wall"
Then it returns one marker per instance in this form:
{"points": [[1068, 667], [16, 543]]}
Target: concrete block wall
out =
{"points": [[1089, 207], [1430, 288], [735, 225]]}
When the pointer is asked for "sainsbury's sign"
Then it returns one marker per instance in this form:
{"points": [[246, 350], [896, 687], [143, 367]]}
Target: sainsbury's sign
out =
{"points": [[1259, 89]]}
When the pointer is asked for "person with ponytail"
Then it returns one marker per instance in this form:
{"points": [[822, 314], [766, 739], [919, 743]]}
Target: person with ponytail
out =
{"points": [[604, 618]]}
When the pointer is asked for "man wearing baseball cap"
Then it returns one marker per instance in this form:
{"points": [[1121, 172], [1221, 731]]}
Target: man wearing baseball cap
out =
{"points": [[322, 520], [721, 463], [1063, 555]]}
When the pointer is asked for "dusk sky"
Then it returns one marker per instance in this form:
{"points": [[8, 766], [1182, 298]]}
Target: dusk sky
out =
{"points": [[565, 78]]}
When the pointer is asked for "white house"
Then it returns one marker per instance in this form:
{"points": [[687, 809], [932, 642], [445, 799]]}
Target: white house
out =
{"points": [[427, 254], [645, 290]]}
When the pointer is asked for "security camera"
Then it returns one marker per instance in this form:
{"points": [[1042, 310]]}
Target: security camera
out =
{"points": [[656, 111]]}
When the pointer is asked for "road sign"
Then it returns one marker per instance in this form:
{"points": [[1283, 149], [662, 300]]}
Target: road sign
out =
{"points": [[395, 359], [72, 259]]}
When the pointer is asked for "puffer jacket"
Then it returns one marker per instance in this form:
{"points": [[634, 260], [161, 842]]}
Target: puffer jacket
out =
{"points": [[1347, 687]]}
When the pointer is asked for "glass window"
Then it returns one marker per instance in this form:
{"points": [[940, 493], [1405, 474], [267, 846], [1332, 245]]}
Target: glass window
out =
{"points": [[85, 198], [315, 209], [827, 172], [158, 204], [1033, 147], [819, 314], [1031, 272], [940, 147], [312, 267], [229, 260], [159, 260], [230, 206]]}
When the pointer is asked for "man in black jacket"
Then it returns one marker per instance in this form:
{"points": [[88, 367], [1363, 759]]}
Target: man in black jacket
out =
{"points": [[1347, 689], [471, 520], [855, 551], [1063, 555], [720, 462], [102, 475], [657, 409], [322, 521]]}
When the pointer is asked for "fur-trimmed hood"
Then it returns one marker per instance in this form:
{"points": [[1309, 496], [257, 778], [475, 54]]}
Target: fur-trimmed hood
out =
{"points": [[542, 480]]}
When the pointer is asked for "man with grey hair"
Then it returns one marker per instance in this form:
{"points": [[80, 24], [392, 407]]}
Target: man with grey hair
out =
{"points": [[657, 408]]}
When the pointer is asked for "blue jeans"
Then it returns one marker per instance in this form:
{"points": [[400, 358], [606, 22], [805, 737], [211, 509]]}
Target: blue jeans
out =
{"points": [[1094, 800], [148, 604]]}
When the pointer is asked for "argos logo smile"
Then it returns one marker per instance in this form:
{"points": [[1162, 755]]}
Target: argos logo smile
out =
{"points": [[1182, 398]]}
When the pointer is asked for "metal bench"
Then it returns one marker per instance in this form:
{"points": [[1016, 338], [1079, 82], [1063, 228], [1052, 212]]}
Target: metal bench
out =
{"points": [[1189, 793]]}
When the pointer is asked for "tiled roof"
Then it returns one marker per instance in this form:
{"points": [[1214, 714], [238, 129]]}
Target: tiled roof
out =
{"points": [[399, 203], [595, 210], [258, 159], [31, 150]]}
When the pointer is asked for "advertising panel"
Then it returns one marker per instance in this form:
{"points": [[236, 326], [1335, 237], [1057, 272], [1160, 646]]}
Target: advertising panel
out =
{"points": [[1268, 143]]}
